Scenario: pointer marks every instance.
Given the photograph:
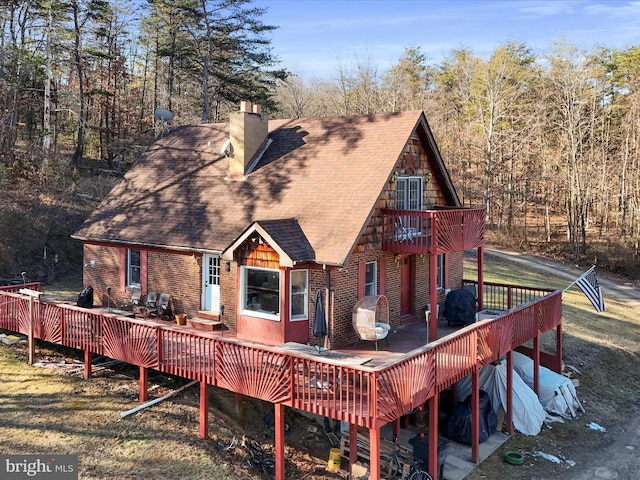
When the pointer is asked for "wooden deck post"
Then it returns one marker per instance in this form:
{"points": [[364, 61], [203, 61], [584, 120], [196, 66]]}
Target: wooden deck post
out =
{"points": [[88, 358], [31, 337], [143, 395], [279, 440], [204, 409], [374, 453], [433, 295], [475, 415], [558, 360], [434, 407], [509, 412], [395, 428], [536, 363], [353, 444], [480, 292]]}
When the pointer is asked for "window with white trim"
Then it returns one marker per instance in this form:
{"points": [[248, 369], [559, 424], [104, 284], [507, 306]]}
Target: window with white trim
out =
{"points": [[133, 268], [371, 278], [408, 193], [299, 294], [260, 292]]}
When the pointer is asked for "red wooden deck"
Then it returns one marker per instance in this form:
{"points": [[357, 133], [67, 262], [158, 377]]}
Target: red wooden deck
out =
{"points": [[357, 385]]}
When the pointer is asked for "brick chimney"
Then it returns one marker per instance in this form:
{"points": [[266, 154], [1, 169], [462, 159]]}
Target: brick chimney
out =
{"points": [[248, 132]]}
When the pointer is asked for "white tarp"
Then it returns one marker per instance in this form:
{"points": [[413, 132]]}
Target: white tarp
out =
{"points": [[556, 392], [528, 414]]}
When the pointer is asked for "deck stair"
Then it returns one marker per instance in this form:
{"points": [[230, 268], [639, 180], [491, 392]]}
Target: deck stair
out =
{"points": [[205, 321]]}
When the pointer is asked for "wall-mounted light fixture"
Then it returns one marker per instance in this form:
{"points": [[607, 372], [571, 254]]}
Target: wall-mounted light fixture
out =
{"points": [[91, 263], [398, 260], [227, 267]]}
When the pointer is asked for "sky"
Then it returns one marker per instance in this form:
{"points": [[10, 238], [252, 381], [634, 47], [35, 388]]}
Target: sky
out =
{"points": [[316, 37]]}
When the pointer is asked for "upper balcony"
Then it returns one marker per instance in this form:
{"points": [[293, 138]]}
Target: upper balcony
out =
{"points": [[441, 230]]}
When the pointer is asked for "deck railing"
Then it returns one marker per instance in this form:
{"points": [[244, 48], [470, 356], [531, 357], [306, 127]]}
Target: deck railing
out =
{"points": [[355, 393], [442, 230], [501, 297]]}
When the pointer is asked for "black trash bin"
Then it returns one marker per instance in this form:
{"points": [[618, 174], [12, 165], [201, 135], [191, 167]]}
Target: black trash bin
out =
{"points": [[420, 445], [85, 298]]}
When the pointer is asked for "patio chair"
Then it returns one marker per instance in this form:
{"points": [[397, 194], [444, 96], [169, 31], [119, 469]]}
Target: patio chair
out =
{"points": [[161, 308], [404, 232], [151, 302], [134, 299], [370, 319]]}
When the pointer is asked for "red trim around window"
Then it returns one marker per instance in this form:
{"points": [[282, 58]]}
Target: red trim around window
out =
{"points": [[362, 269]]}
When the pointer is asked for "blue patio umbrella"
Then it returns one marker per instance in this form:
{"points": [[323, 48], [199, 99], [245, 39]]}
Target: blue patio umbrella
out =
{"points": [[319, 319]]}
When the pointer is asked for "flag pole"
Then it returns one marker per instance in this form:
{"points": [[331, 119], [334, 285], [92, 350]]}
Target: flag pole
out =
{"points": [[580, 277]]}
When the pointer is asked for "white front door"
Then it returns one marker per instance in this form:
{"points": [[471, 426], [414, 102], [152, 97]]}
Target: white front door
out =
{"points": [[211, 283]]}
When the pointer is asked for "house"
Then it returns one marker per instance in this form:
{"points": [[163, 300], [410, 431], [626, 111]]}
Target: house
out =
{"points": [[245, 222]]}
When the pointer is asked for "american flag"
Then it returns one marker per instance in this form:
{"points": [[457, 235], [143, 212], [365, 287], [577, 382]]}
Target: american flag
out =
{"points": [[588, 283]]}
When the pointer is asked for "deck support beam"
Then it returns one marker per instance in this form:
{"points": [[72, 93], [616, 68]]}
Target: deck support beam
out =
{"points": [[279, 440], [204, 409], [536, 363], [433, 296], [374, 453], [395, 428], [475, 415], [88, 358], [434, 407], [480, 292], [143, 394], [558, 360], [353, 444], [509, 412]]}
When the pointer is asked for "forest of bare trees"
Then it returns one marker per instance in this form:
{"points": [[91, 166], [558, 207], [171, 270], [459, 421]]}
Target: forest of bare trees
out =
{"points": [[548, 142]]}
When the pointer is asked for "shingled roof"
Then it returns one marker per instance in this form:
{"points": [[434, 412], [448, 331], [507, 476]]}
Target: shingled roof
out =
{"points": [[325, 173]]}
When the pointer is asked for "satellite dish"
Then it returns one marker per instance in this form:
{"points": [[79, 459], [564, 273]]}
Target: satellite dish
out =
{"points": [[163, 114]]}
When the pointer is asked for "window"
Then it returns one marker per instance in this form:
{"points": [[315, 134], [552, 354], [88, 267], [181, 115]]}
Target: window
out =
{"points": [[260, 292], [133, 268], [213, 270], [371, 278], [408, 197], [440, 272], [299, 294], [408, 193]]}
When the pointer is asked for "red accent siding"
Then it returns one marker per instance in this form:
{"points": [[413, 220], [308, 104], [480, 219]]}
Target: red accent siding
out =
{"points": [[122, 272], [362, 269], [382, 289], [143, 270]]}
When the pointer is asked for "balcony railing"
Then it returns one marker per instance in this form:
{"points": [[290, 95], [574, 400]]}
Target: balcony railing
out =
{"points": [[443, 230], [359, 394]]}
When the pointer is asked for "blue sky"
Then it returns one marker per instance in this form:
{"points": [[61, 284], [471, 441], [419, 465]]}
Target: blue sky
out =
{"points": [[315, 37]]}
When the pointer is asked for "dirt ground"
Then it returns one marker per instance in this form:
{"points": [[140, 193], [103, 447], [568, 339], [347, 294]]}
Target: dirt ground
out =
{"points": [[604, 348], [52, 410]]}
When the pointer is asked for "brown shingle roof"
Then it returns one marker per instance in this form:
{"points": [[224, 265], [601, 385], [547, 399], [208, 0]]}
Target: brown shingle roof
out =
{"points": [[327, 173]]}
